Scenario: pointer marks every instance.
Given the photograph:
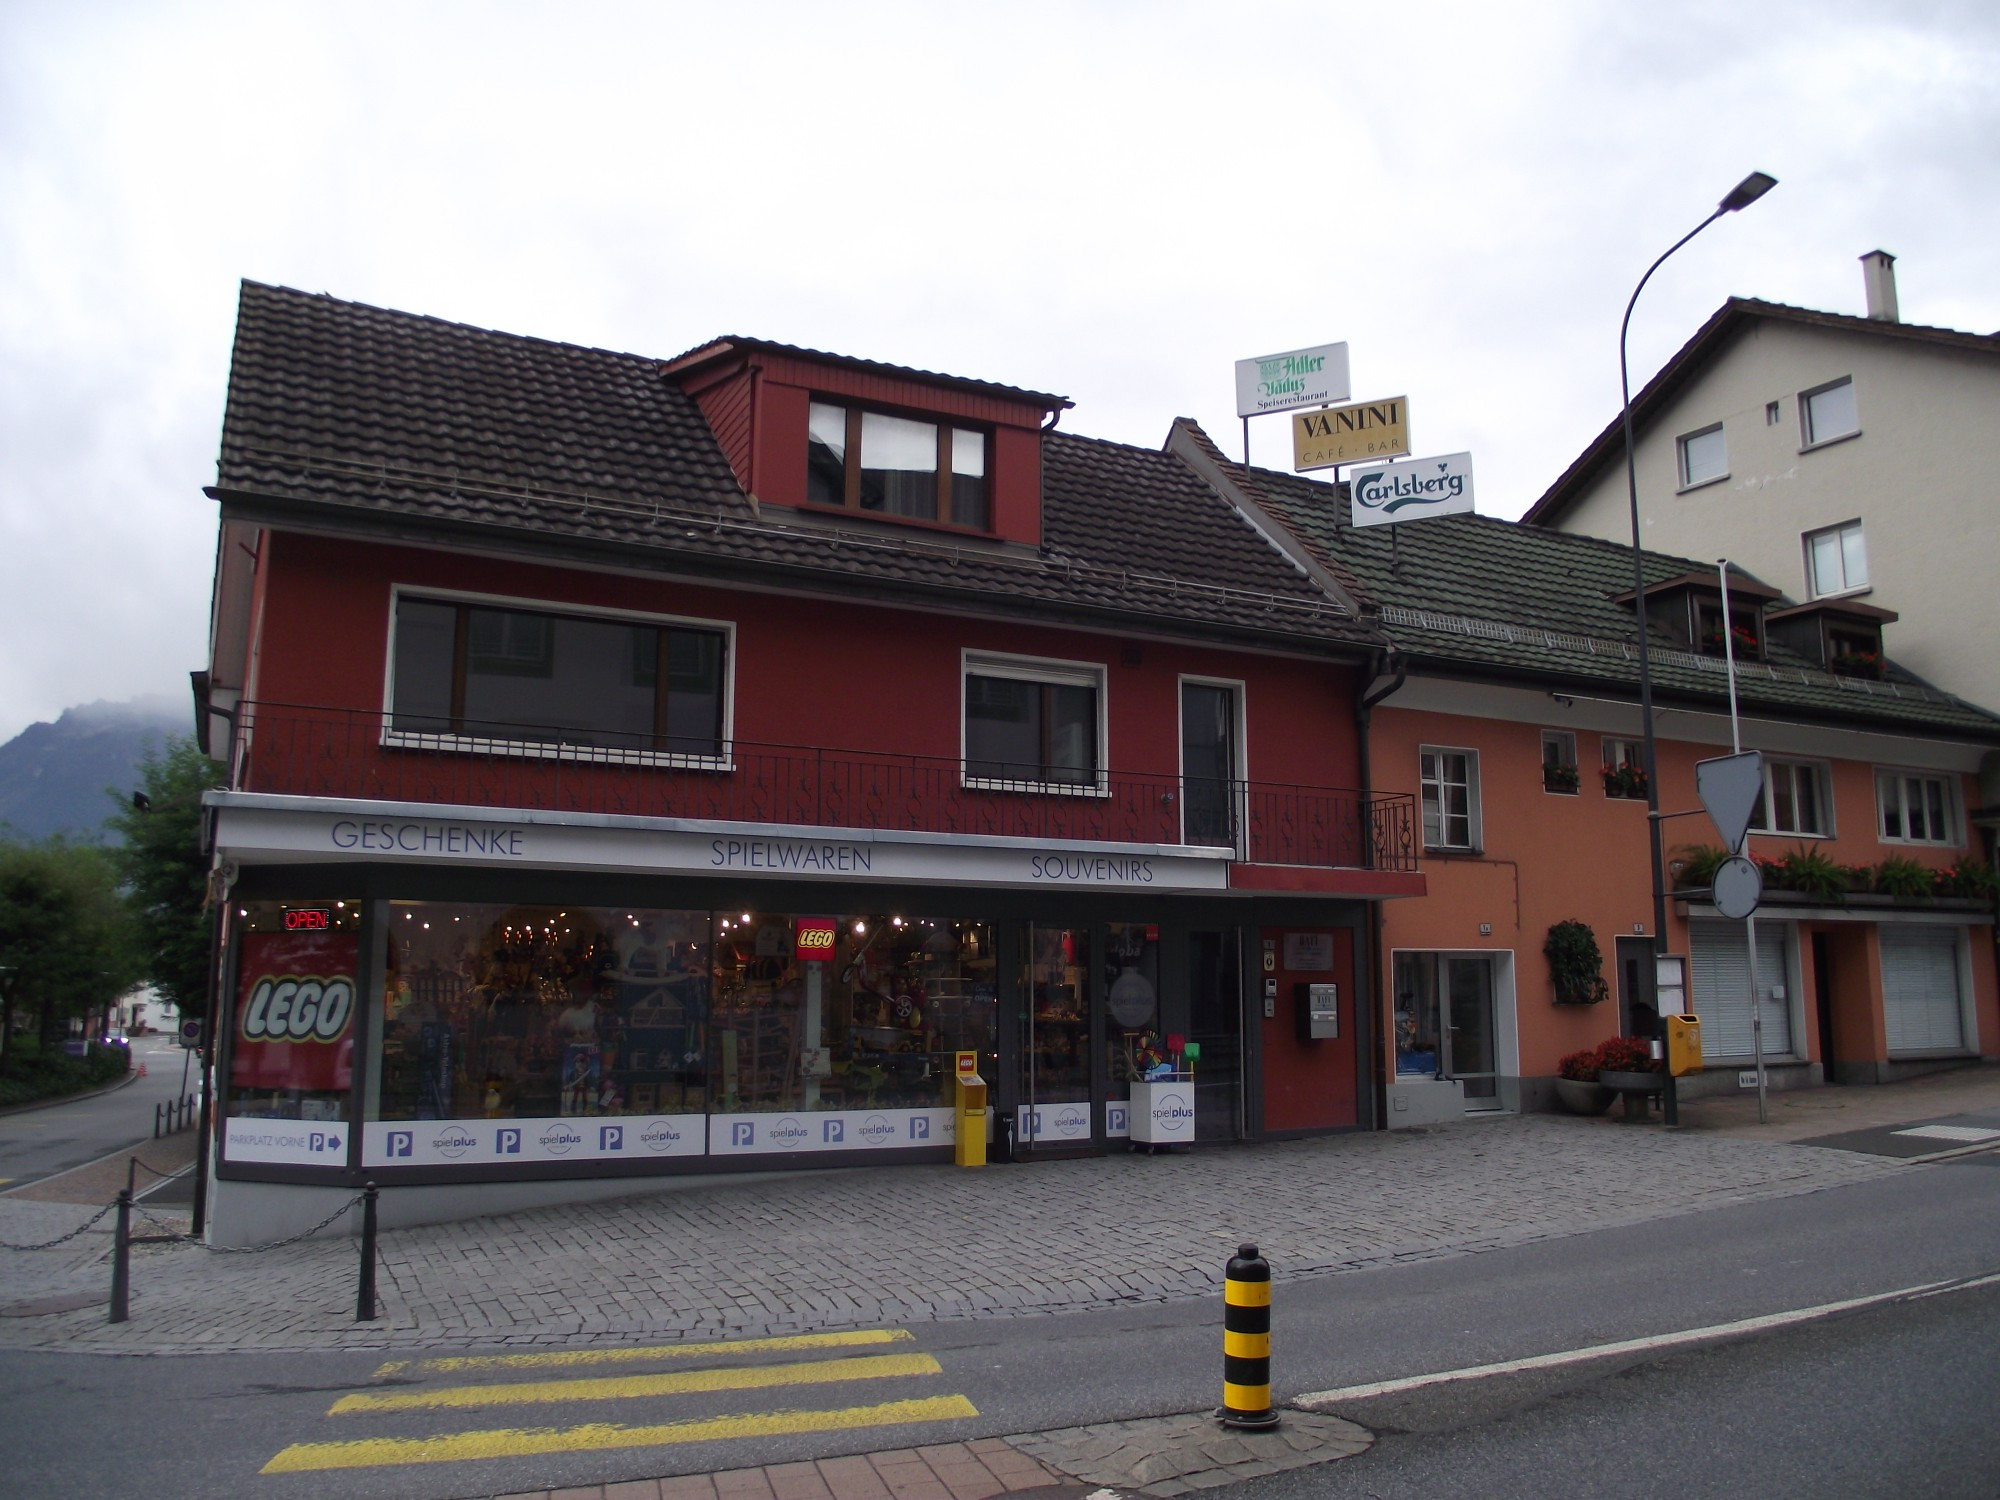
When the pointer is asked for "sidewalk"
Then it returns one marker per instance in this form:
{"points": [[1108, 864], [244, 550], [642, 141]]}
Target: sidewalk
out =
{"points": [[591, 1274]]}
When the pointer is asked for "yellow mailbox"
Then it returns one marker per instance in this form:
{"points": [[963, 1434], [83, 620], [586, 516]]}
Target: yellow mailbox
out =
{"points": [[1683, 1045], [971, 1088]]}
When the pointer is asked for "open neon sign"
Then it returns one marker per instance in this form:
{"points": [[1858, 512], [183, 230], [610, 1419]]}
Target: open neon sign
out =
{"points": [[308, 919]]}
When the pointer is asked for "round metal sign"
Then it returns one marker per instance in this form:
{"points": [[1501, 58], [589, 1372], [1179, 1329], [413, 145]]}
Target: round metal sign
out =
{"points": [[1738, 887]]}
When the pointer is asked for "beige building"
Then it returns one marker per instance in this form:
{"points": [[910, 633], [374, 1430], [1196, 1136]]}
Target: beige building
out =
{"points": [[1851, 462]]}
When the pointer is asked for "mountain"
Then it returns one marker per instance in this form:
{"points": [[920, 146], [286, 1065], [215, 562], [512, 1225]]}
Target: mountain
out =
{"points": [[53, 776]]}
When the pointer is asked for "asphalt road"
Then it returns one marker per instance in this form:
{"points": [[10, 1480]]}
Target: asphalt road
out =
{"points": [[42, 1141], [1899, 1397]]}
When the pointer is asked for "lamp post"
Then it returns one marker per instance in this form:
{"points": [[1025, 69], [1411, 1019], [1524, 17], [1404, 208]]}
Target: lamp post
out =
{"points": [[1745, 193]]}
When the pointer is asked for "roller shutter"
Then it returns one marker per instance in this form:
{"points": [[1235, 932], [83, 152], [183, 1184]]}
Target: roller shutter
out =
{"points": [[1920, 990], [1721, 963]]}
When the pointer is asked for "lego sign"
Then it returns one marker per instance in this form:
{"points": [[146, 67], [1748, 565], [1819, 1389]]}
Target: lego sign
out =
{"points": [[812, 942], [295, 1011]]}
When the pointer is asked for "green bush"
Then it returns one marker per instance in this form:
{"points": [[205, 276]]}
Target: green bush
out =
{"points": [[30, 1077]]}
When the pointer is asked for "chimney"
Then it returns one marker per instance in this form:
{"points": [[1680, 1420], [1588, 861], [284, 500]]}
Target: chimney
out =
{"points": [[1878, 275]]}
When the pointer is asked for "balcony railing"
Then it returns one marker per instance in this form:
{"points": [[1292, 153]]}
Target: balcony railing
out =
{"points": [[315, 752]]}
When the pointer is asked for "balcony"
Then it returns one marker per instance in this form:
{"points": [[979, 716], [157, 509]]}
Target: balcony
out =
{"points": [[286, 750]]}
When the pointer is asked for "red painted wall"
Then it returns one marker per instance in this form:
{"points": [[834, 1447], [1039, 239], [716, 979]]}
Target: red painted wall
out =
{"points": [[1310, 1085], [810, 672]]}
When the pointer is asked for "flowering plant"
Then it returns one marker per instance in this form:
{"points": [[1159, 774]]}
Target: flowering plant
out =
{"points": [[1857, 663], [1745, 640], [1579, 1067], [1626, 1054], [1624, 781]]}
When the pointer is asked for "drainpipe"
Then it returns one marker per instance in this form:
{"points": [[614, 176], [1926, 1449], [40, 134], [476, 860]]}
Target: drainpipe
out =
{"points": [[1380, 662]]}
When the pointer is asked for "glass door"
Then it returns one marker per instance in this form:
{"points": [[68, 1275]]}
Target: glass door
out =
{"points": [[1469, 997], [1055, 1051], [1215, 1021], [1208, 764]]}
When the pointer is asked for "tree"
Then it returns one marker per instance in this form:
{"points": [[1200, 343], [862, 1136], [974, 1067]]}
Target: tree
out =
{"points": [[165, 869], [66, 943]]}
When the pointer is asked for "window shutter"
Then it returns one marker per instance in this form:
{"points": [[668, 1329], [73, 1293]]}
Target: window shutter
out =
{"points": [[1721, 963], [1920, 997]]}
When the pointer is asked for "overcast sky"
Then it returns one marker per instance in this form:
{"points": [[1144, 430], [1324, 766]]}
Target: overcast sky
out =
{"points": [[1114, 201]]}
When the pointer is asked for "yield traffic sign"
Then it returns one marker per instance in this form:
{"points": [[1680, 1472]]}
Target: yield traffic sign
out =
{"points": [[1730, 786]]}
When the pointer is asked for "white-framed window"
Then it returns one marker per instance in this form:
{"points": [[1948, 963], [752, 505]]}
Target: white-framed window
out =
{"points": [[1451, 797], [1828, 413], [563, 680], [1559, 769], [896, 466], [1703, 457], [1623, 768], [1796, 799], [1836, 559], [1033, 725], [1916, 807]]}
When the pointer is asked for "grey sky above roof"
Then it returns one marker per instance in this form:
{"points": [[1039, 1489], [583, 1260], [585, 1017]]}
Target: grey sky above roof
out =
{"points": [[635, 176]]}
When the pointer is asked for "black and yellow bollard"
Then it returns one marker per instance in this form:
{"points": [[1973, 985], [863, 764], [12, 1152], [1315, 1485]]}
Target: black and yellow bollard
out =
{"points": [[1246, 1342]]}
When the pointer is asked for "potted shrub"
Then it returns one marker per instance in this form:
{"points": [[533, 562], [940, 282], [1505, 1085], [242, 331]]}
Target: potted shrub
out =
{"points": [[1695, 865], [1969, 878], [1576, 967], [1577, 1088], [1905, 879], [1627, 1064], [1812, 873], [1560, 778]]}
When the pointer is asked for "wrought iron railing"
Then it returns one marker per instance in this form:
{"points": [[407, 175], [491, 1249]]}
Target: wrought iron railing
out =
{"points": [[355, 754]]}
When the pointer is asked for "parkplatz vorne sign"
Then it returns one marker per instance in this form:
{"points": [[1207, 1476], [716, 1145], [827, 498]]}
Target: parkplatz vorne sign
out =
{"points": [[1281, 382]]}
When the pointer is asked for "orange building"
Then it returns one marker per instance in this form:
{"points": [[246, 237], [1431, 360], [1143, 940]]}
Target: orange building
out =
{"points": [[1509, 708]]}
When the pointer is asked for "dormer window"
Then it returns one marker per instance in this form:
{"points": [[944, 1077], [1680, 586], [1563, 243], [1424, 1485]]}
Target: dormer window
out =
{"points": [[897, 466], [1742, 628]]}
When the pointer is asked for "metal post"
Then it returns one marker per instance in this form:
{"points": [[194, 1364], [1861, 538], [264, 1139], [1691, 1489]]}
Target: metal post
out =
{"points": [[121, 1257], [364, 1302], [1746, 192]]}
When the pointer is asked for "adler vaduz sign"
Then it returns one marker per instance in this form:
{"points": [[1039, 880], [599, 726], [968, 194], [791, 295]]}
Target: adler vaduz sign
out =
{"points": [[1280, 382]]}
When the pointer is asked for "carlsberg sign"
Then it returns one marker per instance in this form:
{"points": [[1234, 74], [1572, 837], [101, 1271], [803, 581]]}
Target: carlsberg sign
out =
{"points": [[1422, 487]]}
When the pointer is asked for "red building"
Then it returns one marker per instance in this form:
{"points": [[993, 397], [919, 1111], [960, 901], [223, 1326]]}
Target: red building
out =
{"points": [[641, 767]]}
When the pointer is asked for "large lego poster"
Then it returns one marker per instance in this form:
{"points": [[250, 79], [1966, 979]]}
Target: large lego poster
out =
{"points": [[295, 1012]]}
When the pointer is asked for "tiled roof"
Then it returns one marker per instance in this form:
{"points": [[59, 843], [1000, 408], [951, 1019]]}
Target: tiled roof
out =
{"points": [[355, 413], [1709, 340], [1478, 595]]}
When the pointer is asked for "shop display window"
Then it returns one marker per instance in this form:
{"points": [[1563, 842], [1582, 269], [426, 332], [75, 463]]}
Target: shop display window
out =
{"points": [[531, 1012], [1134, 1042], [874, 1026], [291, 1053], [524, 1012]]}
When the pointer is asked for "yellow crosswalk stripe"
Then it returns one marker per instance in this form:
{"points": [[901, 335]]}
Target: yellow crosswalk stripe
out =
{"points": [[622, 1387], [600, 1436], [778, 1344]]}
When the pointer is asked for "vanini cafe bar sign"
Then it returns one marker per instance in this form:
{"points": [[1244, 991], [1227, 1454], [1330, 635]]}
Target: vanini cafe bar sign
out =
{"points": [[1350, 434]]}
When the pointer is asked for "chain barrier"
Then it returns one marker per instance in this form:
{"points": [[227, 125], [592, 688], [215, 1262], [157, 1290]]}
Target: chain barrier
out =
{"points": [[64, 1239], [177, 1171], [249, 1249]]}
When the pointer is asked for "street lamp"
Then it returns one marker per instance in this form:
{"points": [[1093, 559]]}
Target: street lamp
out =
{"points": [[1745, 193]]}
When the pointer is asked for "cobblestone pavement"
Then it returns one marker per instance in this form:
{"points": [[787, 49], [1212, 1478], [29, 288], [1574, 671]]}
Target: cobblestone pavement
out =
{"points": [[727, 1260]]}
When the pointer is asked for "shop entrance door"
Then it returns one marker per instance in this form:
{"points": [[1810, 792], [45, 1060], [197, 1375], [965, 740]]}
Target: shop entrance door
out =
{"points": [[1215, 1021], [1470, 1009], [1057, 1111]]}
